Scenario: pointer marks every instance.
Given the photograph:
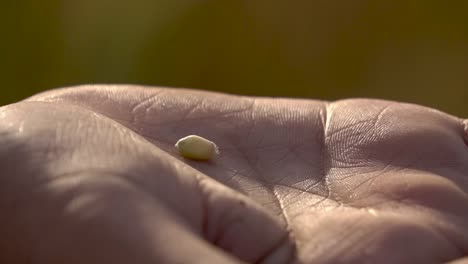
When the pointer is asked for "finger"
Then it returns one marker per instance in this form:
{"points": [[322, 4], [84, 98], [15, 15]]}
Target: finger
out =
{"points": [[241, 227], [100, 219]]}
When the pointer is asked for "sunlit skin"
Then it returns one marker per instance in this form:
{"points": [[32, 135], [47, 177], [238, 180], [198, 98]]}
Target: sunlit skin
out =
{"points": [[90, 175]]}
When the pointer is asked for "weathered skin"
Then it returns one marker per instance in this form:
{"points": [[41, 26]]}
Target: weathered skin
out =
{"points": [[91, 175]]}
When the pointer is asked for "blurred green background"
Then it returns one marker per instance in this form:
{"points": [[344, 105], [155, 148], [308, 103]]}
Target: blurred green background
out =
{"points": [[414, 51]]}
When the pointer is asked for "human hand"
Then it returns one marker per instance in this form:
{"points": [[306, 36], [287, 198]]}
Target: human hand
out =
{"points": [[90, 175]]}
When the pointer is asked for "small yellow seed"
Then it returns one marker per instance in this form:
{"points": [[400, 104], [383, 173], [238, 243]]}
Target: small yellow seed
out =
{"points": [[196, 148]]}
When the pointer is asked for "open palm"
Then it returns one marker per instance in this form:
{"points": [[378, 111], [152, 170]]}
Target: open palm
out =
{"points": [[90, 175]]}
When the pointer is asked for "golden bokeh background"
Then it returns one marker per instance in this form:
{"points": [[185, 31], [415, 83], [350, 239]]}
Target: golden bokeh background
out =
{"points": [[414, 51]]}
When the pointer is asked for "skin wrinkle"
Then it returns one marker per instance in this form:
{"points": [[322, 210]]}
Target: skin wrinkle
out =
{"points": [[352, 235], [256, 172], [375, 124], [393, 201], [371, 180], [293, 150], [348, 247], [204, 203], [97, 108], [283, 244], [460, 251], [270, 186], [292, 187], [326, 159], [459, 244], [220, 235], [347, 233], [71, 195], [135, 108], [178, 123], [408, 203]]}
